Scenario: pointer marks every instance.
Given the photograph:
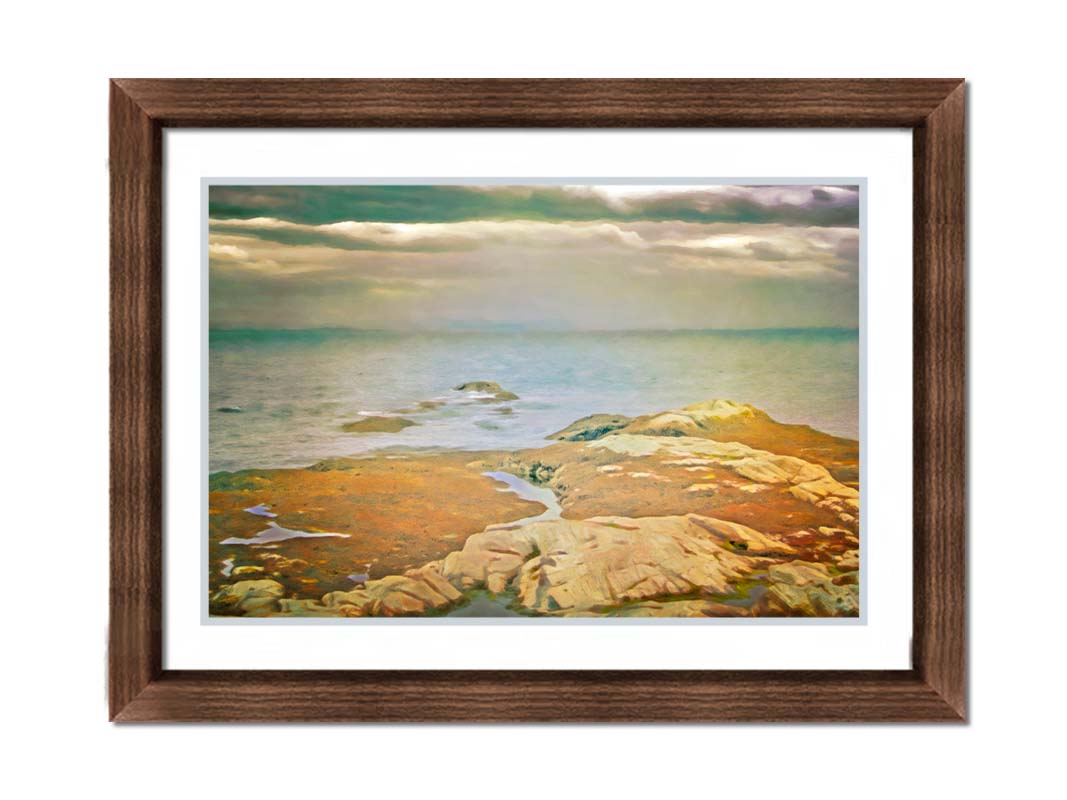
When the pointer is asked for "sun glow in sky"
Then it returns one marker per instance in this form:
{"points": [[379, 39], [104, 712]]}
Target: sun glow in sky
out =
{"points": [[605, 257]]}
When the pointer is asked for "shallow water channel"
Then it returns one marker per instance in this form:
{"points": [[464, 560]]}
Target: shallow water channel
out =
{"points": [[527, 491], [486, 604]]}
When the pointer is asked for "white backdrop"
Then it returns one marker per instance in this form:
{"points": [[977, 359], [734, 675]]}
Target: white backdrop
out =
{"points": [[56, 62]]}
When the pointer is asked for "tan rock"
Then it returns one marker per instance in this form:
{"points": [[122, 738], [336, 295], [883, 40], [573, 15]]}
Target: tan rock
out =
{"points": [[799, 573], [806, 589], [754, 488], [631, 444], [720, 409], [496, 583], [667, 424], [416, 592], [809, 482], [499, 550], [737, 536], [304, 608], [849, 560], [649, 475], [729, 421], [250, 597], [571, 567], [680, 608]]}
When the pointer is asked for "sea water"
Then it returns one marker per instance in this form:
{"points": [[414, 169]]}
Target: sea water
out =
{"points": [[295, 389]]}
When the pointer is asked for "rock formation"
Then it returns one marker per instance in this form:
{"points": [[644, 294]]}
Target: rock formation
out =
{"points": [[498, 392], [710, 510], [804, 589], [727, 421], [370, 424], [564, 566], [591, 427]]}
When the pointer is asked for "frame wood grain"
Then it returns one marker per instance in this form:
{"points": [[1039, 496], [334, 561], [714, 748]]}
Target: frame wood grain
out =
{"points": [[934, 689]]}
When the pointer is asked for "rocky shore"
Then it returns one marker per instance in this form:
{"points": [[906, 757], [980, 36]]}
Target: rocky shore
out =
{"points": [[710, 510]]}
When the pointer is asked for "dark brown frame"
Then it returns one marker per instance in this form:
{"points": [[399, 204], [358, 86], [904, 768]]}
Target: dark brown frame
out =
{"points": [[934, 689]]}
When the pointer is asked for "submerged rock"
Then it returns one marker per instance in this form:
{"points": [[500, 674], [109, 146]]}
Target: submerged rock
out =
{"points": [[421, 407], [377, 425], [479, 386], [497, 391]]}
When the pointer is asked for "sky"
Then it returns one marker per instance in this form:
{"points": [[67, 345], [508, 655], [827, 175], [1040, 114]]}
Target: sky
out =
{"points": [[603, 257]]}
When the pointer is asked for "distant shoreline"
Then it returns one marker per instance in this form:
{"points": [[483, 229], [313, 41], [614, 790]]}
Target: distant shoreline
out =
{"points": [[508, 330]]}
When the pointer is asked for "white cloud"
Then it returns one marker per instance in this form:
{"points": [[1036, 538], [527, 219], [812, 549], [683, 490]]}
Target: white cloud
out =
{"points": [[228, 251], [630, 197], [736, 247]]}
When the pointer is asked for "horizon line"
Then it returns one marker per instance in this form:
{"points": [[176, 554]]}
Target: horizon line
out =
{"points": [[509, 329]]}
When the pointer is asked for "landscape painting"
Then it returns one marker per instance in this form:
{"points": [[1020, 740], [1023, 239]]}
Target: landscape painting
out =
{"points": [[533, 401]]}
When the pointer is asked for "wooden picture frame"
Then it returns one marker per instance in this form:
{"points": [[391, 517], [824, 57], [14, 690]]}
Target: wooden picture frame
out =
{"points": [[934, 689]]}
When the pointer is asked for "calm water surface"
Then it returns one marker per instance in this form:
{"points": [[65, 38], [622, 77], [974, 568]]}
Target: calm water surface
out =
{"points": [[295, 389]]}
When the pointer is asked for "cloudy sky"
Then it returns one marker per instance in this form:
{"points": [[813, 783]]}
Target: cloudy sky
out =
{"points": [[544, 257]]}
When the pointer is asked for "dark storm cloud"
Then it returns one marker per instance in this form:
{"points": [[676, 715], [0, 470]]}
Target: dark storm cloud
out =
{"points": [[319, 205]]}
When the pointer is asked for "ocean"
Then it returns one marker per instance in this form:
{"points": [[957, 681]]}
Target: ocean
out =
{"points": [[295, 389]]}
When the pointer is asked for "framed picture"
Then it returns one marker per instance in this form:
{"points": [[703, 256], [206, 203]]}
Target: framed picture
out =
{"points": [[537, 400]]}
